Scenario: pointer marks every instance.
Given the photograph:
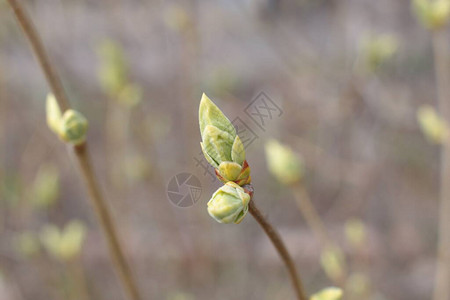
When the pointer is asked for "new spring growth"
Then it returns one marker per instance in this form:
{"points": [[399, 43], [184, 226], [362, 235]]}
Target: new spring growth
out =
{"points": [[113, 75], [221, 145], [433, 14], [433, 126], [229, 204], [330, 293], [45, 189], [70, 126], [377, 50], [63, 244], [356, 233], [286, 166], [332, 261]]}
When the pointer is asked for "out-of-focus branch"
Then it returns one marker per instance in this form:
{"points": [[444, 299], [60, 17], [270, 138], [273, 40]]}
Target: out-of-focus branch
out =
{"points": [[441, 64], [82, 157]]}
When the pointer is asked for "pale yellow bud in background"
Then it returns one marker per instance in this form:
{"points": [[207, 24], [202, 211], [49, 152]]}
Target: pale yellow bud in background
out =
{"points": [[286, 166], [355, 232], [330, 293], [433, 14], [332, 261], [377, 50], [64, 244], [45, 190], [433, 126]]}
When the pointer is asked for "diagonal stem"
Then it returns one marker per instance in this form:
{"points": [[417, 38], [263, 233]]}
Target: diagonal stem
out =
{"points": [[41, 54], [281, 248], [316, 224], [82, 157], [107, 222]]}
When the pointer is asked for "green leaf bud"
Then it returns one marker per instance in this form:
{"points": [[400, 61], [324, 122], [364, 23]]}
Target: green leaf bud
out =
{"points": [[210, 114], [54, 115], [238, 151], [229, 204], [222, 147], [73, 127]]}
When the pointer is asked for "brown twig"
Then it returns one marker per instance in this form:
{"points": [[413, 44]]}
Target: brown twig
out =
{"points": [[41, 55], [281, 248], [441, 64], [81, 155], [105, 219]]}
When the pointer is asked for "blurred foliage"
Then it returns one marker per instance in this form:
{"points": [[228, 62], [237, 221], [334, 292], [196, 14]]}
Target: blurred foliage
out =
{"points": [[355, 232], [113, 71], [332, 261], [63, 244], [331, 293], [286, 166], [433, 14], [45, 189], [136, 168], [376, 51], [433, 126], [114, 75], [26, 244]]}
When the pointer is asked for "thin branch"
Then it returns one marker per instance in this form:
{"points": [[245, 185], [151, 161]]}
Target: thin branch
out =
{"points": [[441, 64], [281, 248], [41, 54], [82, 157], [104, 216], [316, 224]]}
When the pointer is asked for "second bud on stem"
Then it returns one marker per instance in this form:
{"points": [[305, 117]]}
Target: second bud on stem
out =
{"points": [[70, 126]]}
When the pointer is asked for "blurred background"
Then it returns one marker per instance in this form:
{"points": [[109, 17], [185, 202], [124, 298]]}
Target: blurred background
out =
{"points": [[345, 78]]}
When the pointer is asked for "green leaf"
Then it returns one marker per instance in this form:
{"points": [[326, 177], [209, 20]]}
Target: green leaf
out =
{"points": [[238, 151], [210, 114]]}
